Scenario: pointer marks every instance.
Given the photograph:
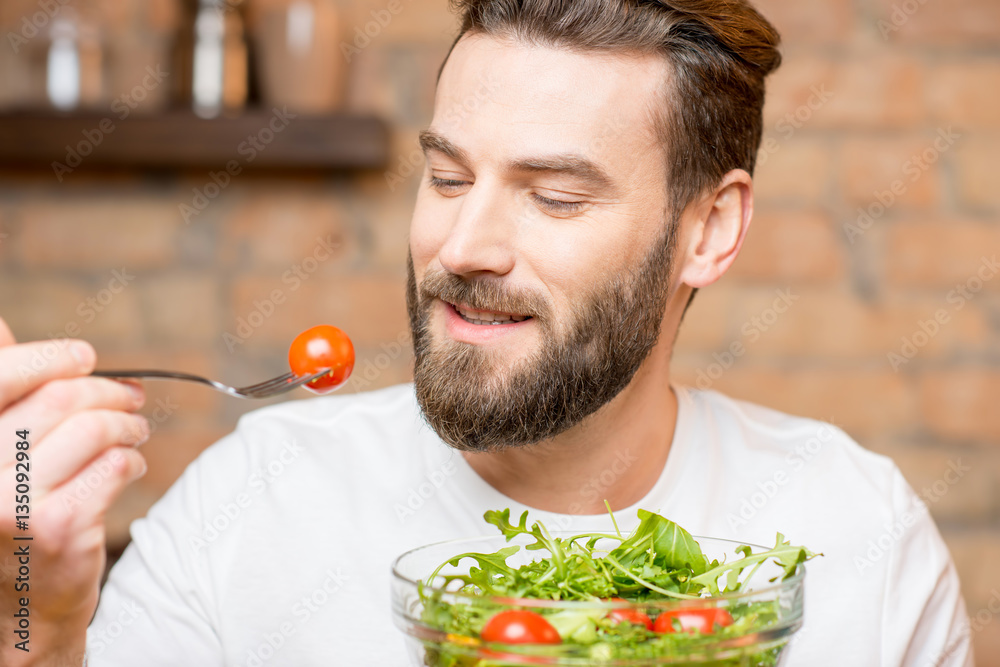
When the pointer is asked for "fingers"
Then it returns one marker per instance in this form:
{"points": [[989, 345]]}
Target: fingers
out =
{"points": [[81, 438], [6, 337], [23, 368], [43, 409], [87, 495]]}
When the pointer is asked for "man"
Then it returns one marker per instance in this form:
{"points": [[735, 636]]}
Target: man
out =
{"points": [[559, 233]]}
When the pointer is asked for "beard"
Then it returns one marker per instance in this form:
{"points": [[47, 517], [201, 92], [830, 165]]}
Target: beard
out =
{"points": [[477, 401]]}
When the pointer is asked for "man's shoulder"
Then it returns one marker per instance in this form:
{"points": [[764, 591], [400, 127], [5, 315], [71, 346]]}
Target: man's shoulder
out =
{"points": [[816, 449]]}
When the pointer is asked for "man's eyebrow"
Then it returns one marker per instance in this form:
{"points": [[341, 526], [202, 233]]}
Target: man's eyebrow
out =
{"points": [[432, 141], [572, 165]]}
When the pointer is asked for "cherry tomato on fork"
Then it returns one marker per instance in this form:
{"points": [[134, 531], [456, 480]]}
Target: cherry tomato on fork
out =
{"points": [[320, 347]]}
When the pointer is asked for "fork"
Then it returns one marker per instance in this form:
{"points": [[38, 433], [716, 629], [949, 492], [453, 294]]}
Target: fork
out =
{"points": [[266, 389]]}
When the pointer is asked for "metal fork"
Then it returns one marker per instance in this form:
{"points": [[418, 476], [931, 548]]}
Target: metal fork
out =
{"points": [[266, 389]]}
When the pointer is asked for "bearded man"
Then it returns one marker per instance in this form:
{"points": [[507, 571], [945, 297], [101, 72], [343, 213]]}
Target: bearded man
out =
{"points": [[560, 231]]}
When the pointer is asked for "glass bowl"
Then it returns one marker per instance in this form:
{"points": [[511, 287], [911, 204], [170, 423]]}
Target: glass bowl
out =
{"points": [[775, 609]]}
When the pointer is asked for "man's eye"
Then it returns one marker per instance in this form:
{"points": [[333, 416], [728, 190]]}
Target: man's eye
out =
{"points": [[558, 206], [446, 183]]}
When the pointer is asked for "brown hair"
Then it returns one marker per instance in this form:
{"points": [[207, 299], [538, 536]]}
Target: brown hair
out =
{"points": [[718, 51]]}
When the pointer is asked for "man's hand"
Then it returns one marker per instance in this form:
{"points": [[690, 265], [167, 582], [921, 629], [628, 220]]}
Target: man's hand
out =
{"points": [[83, 441]]}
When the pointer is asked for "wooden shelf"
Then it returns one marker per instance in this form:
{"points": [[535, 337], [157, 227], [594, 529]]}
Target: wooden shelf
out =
{"points": [[180, 140]]}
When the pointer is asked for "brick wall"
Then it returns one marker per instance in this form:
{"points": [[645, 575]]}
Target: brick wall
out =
{"points": [[863, 223]]}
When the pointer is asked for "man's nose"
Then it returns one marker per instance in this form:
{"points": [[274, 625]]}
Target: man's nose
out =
{"points": [[481, 240]]}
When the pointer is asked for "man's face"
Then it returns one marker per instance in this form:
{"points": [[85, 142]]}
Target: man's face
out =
{"points": [[540, 246]]}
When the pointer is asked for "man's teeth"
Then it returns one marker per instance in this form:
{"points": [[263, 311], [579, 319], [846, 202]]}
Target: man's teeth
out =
{"points": [[488, 318]]}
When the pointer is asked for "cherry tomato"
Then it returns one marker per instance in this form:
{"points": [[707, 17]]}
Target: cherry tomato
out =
{"points": [[517, 626], [692, 620], [633, 616], [322, 347]]}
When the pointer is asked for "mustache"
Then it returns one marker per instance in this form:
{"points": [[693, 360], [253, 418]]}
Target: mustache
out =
{"points": [[483, 294]]}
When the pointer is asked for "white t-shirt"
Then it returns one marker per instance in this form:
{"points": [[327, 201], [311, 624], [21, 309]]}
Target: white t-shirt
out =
{"points": [[275, 546]]}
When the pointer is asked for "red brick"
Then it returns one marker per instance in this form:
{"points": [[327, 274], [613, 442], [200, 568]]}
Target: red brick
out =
{"points": [[939, 331], [388, 364], [967, 23], [961, 404], [830, 323], [865, 92], [865, 402], [705, 325], [182, 308], [790, 246], [976, 554], [809, 24], [277, 227], [940, 255], [162, 16], [391, 235], [966, 93], [419, 20], [370, 308], [986, 643], [795, 169], [98, 233], [396, 80], [967, 500], [975, 161], [133, 504], [40, 308], [7, 236], [13, 12], [871, 167]]}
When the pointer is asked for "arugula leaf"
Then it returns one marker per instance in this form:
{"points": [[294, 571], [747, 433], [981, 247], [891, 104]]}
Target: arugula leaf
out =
{"points": [[661, 541], [783, 553]]}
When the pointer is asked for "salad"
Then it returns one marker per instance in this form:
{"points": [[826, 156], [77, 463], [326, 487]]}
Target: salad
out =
{"points": [[650, 595]]}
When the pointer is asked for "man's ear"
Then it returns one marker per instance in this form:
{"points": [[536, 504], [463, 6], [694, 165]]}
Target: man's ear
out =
{"points": [[716, 227]]}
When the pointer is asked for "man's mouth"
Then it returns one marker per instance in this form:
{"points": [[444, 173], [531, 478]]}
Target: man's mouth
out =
{"points": [[476, 316]]}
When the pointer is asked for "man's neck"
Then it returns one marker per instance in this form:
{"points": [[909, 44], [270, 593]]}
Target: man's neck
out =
{"points": [[616, 454]]}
